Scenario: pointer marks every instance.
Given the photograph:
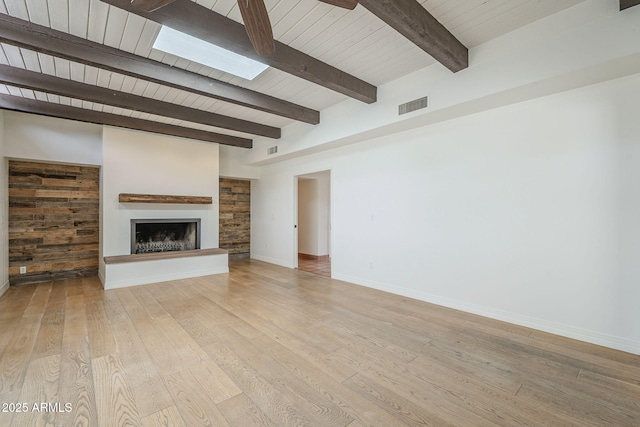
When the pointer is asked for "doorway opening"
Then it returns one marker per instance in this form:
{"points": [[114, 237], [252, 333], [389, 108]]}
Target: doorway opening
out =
{"points": [[313, 237]]}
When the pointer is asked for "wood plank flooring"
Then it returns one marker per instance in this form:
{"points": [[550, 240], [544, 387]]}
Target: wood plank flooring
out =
{"points": [[269, 346], [321, 266]]}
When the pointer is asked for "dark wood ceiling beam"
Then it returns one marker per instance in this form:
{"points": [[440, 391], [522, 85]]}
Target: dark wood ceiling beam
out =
{"points": [[150, 5], [56, 43], [412, 20], [42, 108], [198, 21], [626, 4], [63, 87]]}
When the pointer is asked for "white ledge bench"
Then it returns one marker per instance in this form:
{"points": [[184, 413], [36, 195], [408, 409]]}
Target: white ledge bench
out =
{"points": [[122, 271]]}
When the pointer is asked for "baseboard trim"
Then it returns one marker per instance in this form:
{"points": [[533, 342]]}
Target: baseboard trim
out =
{"points": [[271, 261], [568, 331], [4, 288], [313, 257]]}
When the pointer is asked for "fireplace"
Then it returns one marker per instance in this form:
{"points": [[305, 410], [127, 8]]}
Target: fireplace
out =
{"points": [[164, 235]]}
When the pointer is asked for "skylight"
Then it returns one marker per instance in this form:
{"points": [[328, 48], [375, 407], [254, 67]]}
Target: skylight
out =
{"points": [[205, 53]]}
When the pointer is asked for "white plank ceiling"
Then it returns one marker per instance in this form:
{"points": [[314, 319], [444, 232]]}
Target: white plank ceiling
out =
{"points": [[356, 42]]}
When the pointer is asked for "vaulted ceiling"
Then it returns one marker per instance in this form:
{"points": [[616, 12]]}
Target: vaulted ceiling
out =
{"points": [[92, 60]]}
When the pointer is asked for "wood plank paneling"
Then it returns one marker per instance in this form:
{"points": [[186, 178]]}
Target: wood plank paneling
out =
{"points": [[53, 221], [235, 217]]}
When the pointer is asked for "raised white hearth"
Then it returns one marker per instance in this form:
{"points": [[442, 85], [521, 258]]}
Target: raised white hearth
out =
{"points": [[139, 269]]}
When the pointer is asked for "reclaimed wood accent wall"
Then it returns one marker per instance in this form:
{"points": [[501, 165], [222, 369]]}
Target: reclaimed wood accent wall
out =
{"points": [[53, 221], [235, 217]]}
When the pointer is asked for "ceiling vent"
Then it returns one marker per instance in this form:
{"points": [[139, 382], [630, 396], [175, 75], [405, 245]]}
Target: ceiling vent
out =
{"points": [[272, 150], [414, 105]]}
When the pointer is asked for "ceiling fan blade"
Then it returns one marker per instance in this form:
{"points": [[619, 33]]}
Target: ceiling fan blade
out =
{"points": [[150, 5], [256, 22], [347, 4]]}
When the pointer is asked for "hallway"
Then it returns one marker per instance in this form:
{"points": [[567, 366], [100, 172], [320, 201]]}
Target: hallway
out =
{"points": [[318, 265]]}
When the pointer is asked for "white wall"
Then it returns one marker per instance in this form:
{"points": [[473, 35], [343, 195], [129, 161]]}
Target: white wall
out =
{"points": [[324, 213], [308, 216], [144, 163], [4, 243], [232, 164], [48, 139], [526, 213]]}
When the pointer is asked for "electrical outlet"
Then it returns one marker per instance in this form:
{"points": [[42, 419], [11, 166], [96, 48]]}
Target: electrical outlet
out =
{"points": [[23, 269]]}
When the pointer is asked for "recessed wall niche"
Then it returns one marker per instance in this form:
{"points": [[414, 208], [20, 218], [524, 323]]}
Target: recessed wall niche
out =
{"points": [[53, 221], [235, 217]]}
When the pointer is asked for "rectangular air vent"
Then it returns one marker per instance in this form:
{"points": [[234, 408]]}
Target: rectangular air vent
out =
{"points": [[272, 150], [410, 106]]}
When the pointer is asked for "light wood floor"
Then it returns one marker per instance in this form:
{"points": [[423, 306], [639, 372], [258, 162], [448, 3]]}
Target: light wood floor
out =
{"points": [[321, 266], [266, 346]]}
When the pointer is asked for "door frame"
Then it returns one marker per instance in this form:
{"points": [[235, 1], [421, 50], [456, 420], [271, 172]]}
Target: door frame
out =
{"points": [[295, 214]]}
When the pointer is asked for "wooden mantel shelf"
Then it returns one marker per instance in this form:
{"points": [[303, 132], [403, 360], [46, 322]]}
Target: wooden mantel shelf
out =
{"points": [[120, 259], [161, 198]]}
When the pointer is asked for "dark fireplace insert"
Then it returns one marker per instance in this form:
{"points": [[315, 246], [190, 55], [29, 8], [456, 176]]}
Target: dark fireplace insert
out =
{"points": [[164, 235]]}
